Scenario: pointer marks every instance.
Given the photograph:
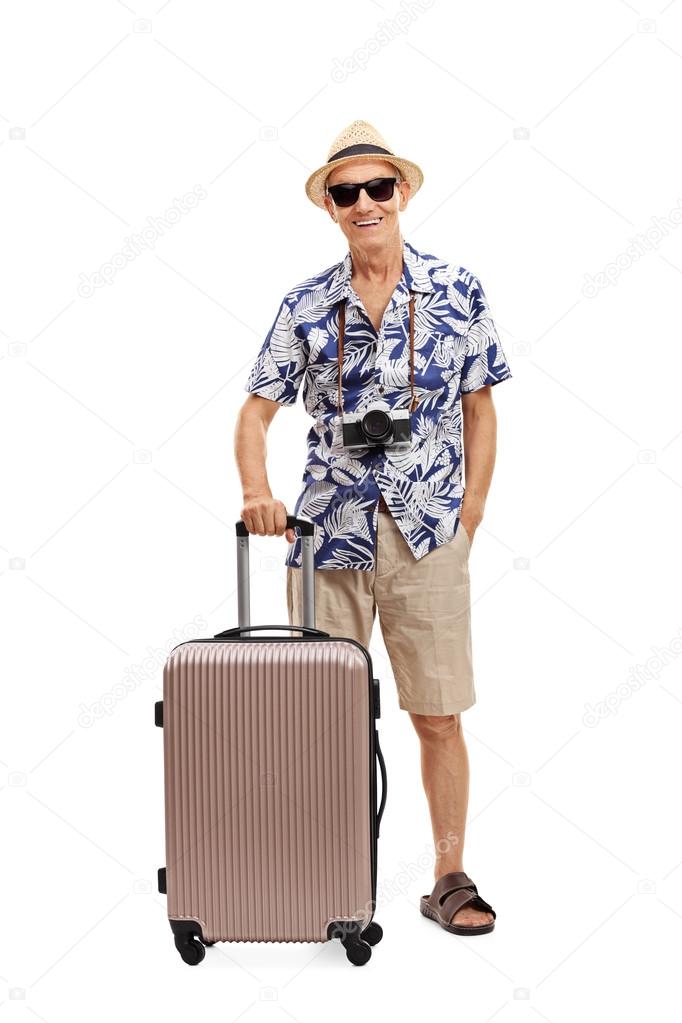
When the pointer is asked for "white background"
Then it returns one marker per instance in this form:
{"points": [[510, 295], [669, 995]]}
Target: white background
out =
{"points": [[549, 138]]}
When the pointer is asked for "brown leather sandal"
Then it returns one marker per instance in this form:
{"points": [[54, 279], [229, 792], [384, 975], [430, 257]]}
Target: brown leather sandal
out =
{"points": [[451, 892]]}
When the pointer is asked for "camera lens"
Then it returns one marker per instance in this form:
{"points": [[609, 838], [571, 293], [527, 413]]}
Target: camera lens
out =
{"points": [[376, 424]]}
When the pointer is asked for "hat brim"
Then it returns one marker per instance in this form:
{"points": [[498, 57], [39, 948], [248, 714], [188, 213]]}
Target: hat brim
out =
{"points": [[315, 185]]}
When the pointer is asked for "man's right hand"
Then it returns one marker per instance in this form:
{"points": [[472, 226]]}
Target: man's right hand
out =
{"points": [[266, 516]]}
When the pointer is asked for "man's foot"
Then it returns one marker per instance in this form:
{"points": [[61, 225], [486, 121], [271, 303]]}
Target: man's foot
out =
{"points": [[456, 905], [468, 917]]}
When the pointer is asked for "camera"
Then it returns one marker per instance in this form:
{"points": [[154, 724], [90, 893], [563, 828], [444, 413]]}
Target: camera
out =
{"points": [[377, 425]]}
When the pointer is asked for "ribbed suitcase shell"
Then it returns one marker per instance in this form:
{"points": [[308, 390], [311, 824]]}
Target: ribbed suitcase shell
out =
{"points": [[270, 786]]}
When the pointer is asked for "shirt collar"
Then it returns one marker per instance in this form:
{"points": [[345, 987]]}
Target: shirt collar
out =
{"points": [[415, 277]]}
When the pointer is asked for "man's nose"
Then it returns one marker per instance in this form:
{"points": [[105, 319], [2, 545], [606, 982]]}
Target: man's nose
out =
{"points": [[363, 197], [363, 200]]}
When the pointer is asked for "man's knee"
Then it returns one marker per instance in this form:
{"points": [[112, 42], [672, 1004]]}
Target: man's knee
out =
{"points": [[436, 726]]}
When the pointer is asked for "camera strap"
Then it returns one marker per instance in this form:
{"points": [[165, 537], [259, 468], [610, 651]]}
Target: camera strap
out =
{"points": [[342, 330]]}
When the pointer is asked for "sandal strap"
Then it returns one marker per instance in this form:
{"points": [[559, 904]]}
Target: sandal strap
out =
{"points": [[451, 882], [455, 902], [461, 898]]}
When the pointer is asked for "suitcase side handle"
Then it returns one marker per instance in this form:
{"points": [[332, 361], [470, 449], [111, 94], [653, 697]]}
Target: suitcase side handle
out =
{"points": [[307, 528], [382, 767], [253, 628]]}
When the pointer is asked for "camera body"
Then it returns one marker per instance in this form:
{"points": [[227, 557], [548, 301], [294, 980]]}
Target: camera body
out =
{"points": [[377, 426]]}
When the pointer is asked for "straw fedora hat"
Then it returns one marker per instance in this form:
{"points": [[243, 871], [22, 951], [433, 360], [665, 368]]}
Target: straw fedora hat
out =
{"points": [[359, 141]]}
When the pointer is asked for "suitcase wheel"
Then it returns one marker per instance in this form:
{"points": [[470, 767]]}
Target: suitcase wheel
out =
{"points": [[357, 943], [358, 952], [372, 933], [188, 941], [191, 950]]}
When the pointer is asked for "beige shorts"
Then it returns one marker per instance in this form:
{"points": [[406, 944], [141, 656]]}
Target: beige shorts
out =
{"points": [[424, 611]]}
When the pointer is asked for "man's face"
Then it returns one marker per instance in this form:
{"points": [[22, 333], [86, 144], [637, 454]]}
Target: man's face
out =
{"points": [[366, 208]]}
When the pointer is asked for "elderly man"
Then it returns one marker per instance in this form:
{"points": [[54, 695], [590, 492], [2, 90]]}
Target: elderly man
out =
{"points": [[397, 354]]}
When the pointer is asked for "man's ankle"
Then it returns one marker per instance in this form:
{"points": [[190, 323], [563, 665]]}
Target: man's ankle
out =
{"points": [[446, 868]]}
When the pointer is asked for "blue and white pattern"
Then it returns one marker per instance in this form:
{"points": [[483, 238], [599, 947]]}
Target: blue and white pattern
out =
{"points": [[456, 351]]}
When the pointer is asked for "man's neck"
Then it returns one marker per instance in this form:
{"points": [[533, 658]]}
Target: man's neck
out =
{"points": [[378, 269]]}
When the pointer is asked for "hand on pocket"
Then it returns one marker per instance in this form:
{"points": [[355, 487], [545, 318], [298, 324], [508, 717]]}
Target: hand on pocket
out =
{"points": [[468, 528]]}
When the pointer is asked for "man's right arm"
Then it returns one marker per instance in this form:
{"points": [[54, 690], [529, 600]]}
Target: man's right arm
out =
{"points": [[261, 513]]}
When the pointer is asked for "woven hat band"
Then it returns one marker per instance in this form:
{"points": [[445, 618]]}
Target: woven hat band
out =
{"points": [[358, 150]]}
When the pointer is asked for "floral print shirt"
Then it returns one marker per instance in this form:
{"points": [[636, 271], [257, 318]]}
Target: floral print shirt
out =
{"points": [[456, 351]]}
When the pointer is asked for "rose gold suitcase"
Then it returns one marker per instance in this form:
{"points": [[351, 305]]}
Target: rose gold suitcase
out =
{"points": [[270, 776]]}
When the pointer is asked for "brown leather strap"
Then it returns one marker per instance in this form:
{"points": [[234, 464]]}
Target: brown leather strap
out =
{"points": [[460, 898], [456, 890], [342, 329], [449, 883]]}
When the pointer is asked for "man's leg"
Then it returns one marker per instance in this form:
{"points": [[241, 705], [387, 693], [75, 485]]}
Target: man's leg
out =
{"points": [[445, 774]]}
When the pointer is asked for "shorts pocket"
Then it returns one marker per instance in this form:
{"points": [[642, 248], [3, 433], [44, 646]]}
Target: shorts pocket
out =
{"points": [[467, 541]]}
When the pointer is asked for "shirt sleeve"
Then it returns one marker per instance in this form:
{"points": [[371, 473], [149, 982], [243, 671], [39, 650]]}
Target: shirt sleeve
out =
{"points": [[484, 360], [280, 364]]}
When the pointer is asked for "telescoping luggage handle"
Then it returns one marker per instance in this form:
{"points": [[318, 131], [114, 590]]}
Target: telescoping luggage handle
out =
{"points": [[308, 568], [307, 529]]}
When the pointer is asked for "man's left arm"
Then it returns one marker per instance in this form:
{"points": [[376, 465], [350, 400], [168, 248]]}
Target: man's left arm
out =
{"points": [[479, 428], [484, 366]]}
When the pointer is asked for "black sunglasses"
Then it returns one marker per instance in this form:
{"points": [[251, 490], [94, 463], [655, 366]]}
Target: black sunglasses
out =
{"points": [[378, 189]]}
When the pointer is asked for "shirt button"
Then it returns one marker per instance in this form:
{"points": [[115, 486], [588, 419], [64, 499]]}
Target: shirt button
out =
{"points": [[381, 389]]}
